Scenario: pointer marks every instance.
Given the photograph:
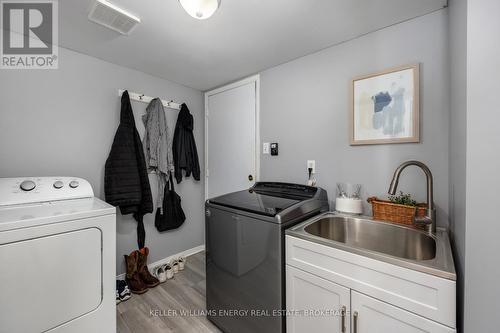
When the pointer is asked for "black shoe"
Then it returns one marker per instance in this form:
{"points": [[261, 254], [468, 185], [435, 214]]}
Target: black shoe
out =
{"points": [[122, 291], [118, 300]]}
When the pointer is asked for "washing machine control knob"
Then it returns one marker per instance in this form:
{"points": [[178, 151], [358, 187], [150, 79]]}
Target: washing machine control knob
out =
{"points": [[58, 184], [27, 185], [74, 184]]}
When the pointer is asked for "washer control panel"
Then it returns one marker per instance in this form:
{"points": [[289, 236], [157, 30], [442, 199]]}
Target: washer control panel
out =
{"points": [[41, 189]]}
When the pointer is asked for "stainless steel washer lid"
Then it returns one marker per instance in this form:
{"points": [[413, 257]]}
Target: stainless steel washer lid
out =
{"points": [[266, 198]]}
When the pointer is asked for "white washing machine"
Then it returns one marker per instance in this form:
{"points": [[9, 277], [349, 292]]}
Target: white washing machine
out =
{"points": [[57, 257]]}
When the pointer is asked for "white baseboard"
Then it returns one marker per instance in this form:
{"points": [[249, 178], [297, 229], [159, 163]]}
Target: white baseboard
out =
{"points": [[186, 253]]}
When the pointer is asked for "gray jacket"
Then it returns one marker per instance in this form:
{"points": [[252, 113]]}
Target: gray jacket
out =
{"points": [[158, 145]]}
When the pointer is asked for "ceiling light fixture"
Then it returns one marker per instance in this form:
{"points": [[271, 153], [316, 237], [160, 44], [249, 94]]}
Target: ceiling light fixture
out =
{"points": [[200, 9]]}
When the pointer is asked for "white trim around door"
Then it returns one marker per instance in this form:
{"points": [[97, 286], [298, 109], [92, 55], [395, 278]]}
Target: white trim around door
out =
{"points": [[250, 79]]}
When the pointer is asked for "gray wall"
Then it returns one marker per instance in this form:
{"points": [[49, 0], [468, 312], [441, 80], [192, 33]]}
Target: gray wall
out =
{"points": [[482, 268], [62, 122], [458, 139], [305, 106]]}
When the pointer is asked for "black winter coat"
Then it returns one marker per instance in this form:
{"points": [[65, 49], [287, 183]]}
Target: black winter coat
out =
{"points": [[184, 146], [126, 182]]}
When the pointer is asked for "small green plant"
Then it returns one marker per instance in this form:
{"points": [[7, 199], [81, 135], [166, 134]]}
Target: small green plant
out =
{"points": [[402, 199]]}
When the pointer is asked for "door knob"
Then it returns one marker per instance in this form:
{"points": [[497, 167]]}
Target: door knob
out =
{"points": [[250, 177]]}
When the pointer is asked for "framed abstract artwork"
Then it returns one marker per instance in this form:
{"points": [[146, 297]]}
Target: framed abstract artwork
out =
{"points": [[385, 107]]}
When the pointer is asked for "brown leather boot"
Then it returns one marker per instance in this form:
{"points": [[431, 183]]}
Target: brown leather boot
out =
{"points": [[133, 279], [142, 260]]}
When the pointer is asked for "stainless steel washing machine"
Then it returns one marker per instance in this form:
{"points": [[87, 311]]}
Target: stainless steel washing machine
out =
{"points": [[245, 253]]}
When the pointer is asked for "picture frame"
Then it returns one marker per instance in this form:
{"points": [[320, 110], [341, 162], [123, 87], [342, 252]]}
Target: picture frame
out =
{"points": [[385, 107]]}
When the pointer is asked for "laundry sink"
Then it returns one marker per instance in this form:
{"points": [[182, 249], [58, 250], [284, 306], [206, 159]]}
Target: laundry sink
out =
{"points": [[385, 238], [396, 244]]}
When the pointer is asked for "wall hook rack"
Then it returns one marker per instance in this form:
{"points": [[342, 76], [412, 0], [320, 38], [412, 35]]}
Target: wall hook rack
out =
{"points": [[146, 99]]}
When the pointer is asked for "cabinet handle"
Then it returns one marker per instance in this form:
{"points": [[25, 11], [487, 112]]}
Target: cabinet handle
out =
{"points": [[342, 312], [355, 322]]}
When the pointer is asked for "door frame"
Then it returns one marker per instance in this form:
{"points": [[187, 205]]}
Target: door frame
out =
{"points": [[256, 80]]}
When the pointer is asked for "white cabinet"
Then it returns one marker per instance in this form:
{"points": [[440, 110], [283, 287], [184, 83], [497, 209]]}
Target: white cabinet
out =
{"points": [[315, 304], [377, 296], [370, 315]]}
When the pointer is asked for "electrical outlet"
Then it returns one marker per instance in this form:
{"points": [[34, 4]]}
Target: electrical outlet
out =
{"points": [[311, 164], [265, 148]]}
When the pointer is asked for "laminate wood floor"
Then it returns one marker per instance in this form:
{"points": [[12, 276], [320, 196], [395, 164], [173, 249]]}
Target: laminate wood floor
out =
{"points": [[173, 306]]}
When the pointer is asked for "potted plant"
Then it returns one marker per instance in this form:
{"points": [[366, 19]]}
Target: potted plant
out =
{"points": [[398, 209]]}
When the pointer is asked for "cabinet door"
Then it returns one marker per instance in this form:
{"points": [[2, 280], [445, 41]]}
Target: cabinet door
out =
{"points": [[314, 304], [370, 315]]}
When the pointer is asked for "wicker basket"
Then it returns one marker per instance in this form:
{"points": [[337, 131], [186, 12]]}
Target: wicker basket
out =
{"points": [[387, 211]]}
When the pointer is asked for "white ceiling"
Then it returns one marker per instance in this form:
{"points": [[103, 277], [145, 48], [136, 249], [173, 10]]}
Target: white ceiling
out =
{"points": [[243, 37]]}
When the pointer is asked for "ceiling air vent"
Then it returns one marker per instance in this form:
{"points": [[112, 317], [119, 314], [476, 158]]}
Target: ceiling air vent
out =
{"points": [[112, 17]]}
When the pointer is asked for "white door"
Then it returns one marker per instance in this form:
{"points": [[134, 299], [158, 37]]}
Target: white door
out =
{"points": [[231, 137], [325, 304], [370, 315]]}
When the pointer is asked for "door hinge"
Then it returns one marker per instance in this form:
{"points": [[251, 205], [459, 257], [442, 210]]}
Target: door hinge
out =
{"points": [[207, 173]]}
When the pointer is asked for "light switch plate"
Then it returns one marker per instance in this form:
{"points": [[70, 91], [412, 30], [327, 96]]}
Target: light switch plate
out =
{"points": [[265, 148]]}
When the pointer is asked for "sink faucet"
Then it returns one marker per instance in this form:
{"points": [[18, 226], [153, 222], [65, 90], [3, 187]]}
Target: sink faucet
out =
{"points": [[429, 220]]}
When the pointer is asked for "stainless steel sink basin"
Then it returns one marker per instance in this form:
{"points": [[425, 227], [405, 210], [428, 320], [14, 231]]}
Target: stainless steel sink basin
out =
{"points": [[380, 237], [392, 243]]}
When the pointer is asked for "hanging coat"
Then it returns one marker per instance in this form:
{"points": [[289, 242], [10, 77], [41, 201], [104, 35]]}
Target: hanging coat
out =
{"points": [[126, 182], [184, 146], [158, 145]]}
